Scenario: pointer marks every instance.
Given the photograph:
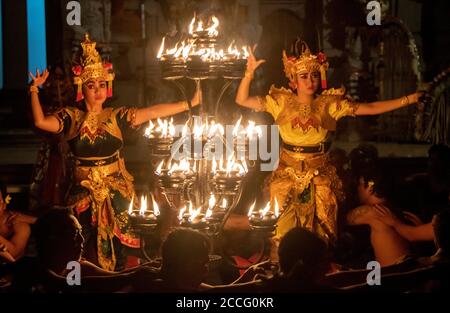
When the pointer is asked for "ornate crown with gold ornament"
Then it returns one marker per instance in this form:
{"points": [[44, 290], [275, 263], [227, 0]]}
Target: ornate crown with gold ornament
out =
{"points": [[304, 63], [90, 67]]}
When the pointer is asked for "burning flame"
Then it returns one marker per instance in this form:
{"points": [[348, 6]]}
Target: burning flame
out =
{"points": [[277, 209], [164, 129], [193, 213], [213, 165], [159, 168], [250, 211], [180, 215], [143, 208], [236, 127], [161, 48], [182, 50], [211, 202], [212, 30], [198, 131], [224, 203], [156, 210], [130, 208], [252, 129], [149, 129], [264, 211], [183, 166]]}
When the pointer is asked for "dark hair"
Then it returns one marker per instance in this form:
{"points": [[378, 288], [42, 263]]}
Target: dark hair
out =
{"points": [[363, 156], [181, 246], [441, 225], [383, 184], [301, 245]]}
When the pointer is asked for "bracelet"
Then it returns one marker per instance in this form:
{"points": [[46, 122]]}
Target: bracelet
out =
{"points": [[404, 101], [248, 74], [185, 105], [34, 89]]}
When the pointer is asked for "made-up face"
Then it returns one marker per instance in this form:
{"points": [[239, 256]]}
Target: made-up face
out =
{"points": [[308, 82], [95, 91]]}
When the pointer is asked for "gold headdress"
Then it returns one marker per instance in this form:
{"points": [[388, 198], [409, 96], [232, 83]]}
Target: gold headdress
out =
{"points": [[305, 62], [91, 66]]}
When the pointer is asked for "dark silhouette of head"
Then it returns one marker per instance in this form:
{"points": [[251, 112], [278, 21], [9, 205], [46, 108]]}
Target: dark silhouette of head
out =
{"points": [[185, 257], [441, 227], [302, 252], [363, 156], [439, 166], [374, 181], [58, 239]]}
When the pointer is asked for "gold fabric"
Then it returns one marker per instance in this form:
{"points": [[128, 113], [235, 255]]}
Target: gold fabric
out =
{"points": [[298, 130], [306, 186], [100, 180]]}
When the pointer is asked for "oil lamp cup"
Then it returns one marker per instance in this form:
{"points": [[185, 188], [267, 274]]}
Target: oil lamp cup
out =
{"points": [[233, 68], [199, 69], [199, 222], [227, 182], [160, 146], [145, 223], [172, 68], [266, 223]]}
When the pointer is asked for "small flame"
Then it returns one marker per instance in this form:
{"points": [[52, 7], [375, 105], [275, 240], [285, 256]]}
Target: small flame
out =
{"points": [[193, 213], [230, 164], [171, 128], [198, 131], [212, 30], [155, 206], [245, 53], [180, 215], [179, 50], [250, 211], [211, 202], [277, 209], [191, 25], [173, 50], [143, 208], [172, 168], [264, 211], [208, 213], [159, 168], [199, 26], [161, 48], [130, 208], [221, 164], [149, 129], [184, 166], [236, 127], [224, 203]]}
